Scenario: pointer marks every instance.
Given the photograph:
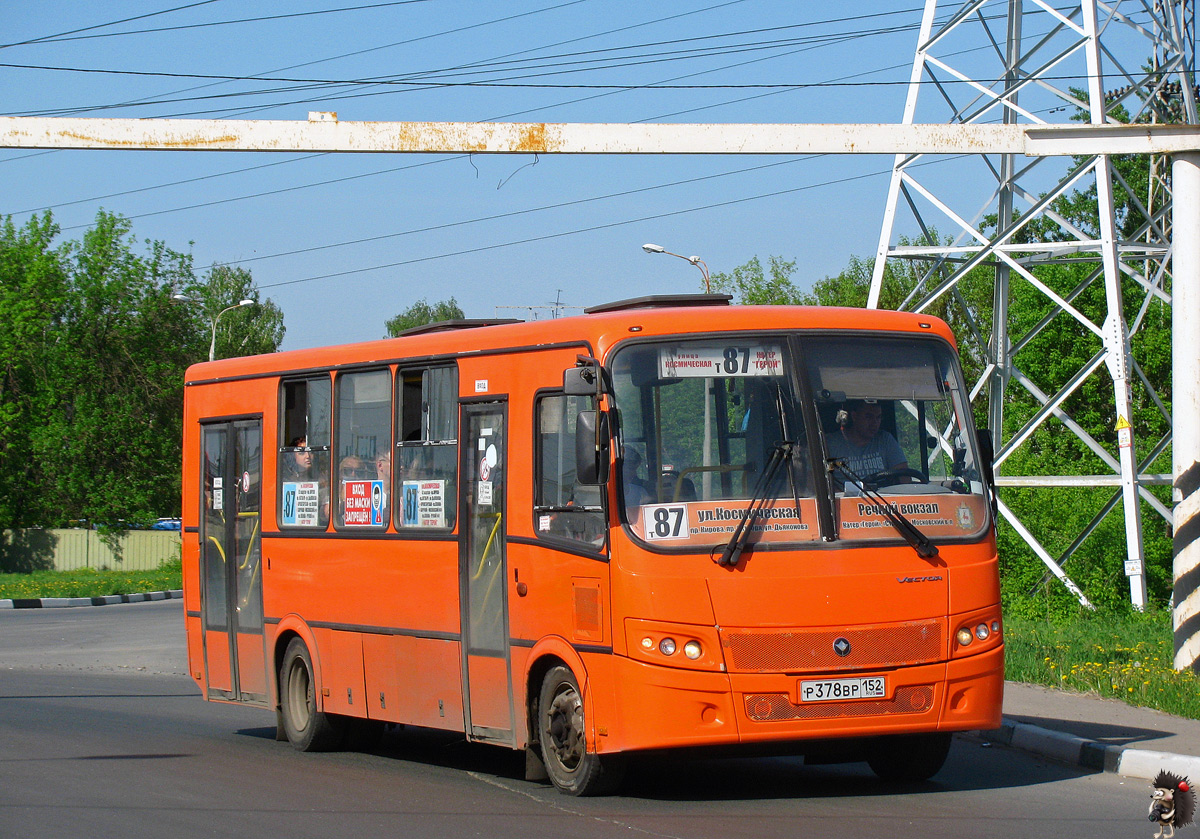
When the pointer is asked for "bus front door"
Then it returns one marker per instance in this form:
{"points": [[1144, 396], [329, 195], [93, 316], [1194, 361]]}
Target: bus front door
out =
{"points": [[487, 681], [231, 561]]}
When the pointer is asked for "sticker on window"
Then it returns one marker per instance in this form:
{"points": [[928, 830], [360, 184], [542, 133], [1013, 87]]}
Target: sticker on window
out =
{"points": [[300, 503], [693, 361], [424, 504], [665, 521], [363, 503]]}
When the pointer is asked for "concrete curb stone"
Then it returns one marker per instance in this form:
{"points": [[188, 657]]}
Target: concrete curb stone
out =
{"points": [[1089, 754], [106, 600]]}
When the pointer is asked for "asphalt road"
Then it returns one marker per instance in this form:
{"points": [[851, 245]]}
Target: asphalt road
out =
{"points": [[102, 734]]}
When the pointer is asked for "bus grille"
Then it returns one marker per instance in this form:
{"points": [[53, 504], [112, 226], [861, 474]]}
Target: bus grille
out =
{"points": [[800, 650], [773, 707]]}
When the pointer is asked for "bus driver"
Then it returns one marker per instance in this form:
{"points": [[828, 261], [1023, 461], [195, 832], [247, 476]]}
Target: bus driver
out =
{"points": [[860, 442]]}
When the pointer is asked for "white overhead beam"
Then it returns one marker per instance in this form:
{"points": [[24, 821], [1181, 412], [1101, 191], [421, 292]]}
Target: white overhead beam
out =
{"points": [[323, 133]]}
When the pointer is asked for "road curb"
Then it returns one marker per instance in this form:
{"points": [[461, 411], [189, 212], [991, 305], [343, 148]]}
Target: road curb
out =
{"points": [[106, 600], [1090, 754]]}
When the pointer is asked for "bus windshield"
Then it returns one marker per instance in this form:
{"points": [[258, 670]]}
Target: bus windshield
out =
{"points": [[702, 420]]}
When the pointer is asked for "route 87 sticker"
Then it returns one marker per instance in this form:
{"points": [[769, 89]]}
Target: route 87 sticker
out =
{"points": [[665, 521]]}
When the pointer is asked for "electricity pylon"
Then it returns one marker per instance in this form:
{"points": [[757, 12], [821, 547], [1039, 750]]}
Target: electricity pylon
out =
{"points": [[1008, 61]]}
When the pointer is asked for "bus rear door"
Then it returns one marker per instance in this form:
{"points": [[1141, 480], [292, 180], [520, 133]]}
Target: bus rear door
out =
{"points": [[231, 561]]}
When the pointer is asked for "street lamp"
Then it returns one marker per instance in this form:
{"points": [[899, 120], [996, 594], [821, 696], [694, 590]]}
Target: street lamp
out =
{"points": [[706, 452], [212, 346], [695, 260]]}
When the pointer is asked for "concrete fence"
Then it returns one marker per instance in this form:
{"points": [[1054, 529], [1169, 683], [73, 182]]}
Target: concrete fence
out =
{"points": [[70, 549]]}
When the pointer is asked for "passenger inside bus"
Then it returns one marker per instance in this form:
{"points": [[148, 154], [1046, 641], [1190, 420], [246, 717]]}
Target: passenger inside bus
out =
{"points": [[297, 465], [863, 444]]}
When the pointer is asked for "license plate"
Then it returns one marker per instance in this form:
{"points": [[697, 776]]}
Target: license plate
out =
{"points": [[825, 690]]}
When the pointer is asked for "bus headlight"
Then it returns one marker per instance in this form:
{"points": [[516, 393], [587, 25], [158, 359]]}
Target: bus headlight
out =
{"points": [[977, 632], [659, 643]]}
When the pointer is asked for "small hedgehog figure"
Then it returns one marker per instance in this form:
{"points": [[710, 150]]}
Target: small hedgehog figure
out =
{"points": [[1172, 804]]}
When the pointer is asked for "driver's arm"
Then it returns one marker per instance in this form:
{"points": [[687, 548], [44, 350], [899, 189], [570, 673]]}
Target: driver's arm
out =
{"points": [[893, 455]]}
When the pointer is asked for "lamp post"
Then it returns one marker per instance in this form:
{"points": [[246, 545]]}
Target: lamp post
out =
{"points": [[706, 454], [695, 260], [212, 346]]}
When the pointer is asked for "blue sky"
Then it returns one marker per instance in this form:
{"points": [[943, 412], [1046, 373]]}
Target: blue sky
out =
{"points": [[505, 235]]}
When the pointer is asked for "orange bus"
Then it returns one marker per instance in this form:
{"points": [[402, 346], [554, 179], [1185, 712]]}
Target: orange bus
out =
{"points": [[667, 523]]}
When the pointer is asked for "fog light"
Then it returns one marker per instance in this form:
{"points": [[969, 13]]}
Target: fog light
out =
{"points": [[648, 643], [667, 646], [982, 632], [964, 636], [692, 650], [995, 627]]}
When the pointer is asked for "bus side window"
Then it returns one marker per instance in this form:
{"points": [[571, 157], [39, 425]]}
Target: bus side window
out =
{"points": [[302, 462], [427, 447], [363, 448], [564, 508]]}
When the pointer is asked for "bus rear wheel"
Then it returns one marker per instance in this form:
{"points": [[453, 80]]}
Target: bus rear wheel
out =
{"points": [[914, 757], [562, 731], [307, 729]]}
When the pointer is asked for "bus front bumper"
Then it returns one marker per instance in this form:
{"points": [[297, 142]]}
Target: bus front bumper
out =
{"points": [[666, 708]]}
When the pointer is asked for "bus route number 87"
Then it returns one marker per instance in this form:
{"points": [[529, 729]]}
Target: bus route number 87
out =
{"points": [[665, 521]]}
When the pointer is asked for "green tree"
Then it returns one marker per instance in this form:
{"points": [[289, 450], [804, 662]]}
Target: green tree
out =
{"points": [[246, 330], [33, 293], [422, 313], [751, 286], [105, 442], [93, 351]]}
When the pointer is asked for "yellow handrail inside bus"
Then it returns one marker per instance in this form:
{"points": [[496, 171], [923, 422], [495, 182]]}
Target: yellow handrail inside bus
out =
{"points": [[487, 546]]}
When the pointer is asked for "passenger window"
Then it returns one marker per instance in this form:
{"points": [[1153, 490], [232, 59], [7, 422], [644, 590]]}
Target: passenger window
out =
{"points": [[302, 465], [427, 448], [564, 508], [364, 450]]}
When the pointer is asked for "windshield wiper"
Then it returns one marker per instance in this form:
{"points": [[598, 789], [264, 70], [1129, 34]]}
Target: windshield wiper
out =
{"points": [[909, 531], [737, 543]]}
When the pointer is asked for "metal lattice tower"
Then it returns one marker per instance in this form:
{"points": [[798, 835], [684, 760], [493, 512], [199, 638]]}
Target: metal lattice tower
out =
{"points": [[1036, 62]]}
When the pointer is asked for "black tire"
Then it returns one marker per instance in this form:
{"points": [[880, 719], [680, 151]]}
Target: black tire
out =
{"points": [[562, 732], [307, 729], [914, 757]]}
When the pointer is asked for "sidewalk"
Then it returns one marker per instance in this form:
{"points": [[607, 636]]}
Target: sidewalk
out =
{"points": [[1096, 733]]}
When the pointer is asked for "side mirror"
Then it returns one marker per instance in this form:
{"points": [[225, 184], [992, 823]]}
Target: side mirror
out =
{"points": [[987, 465], [583, 379], [591, 447]]}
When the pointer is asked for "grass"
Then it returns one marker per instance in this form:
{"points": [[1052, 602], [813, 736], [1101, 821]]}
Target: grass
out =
{"points": [[89, 582], [1123, 655]]}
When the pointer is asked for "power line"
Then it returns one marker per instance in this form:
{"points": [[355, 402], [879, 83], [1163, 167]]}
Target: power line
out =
{"points": [[513, 213], [405, 42], [70, 36], [164, 186], [110, 23], [486, 65], [591, 229]]}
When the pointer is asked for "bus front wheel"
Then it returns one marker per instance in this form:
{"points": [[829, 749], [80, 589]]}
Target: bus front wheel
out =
{"points": [[572, 767], [307, 729], [914, 757]]}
